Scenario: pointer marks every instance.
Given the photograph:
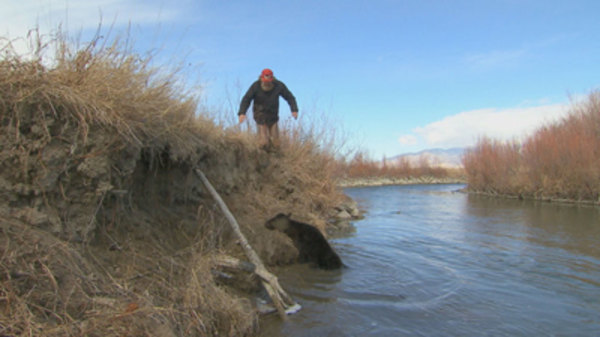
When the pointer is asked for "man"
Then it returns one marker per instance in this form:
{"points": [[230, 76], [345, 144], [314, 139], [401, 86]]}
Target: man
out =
{"points": [[265, 94]]}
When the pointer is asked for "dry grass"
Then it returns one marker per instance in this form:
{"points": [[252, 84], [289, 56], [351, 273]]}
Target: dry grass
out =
{"points": [[104, 228], [105, 85], [559, 161], [51, 287]]}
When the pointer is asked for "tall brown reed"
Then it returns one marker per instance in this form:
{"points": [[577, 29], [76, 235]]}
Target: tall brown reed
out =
{"points": [[558, 161], [493, 166]]}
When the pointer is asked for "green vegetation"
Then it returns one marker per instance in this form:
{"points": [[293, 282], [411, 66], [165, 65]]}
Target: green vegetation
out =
{"points": [[105, 230], [559, 161]]}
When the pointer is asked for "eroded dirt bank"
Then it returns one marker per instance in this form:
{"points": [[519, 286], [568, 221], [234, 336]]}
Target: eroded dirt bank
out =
{"points": [[105, 230]]}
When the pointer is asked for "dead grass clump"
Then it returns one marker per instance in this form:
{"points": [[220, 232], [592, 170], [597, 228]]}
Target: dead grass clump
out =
{"points": [[49, 289], [104, 85], [41, 278]]}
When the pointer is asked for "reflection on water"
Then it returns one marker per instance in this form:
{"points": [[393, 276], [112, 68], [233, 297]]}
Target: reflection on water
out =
{"points": [[571, 227], [427, 261]]}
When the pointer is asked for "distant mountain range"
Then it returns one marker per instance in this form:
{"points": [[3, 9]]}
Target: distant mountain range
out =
{"points": [[448, 158]]}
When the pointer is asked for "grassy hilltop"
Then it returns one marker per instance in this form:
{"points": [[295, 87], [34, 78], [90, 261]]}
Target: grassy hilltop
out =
{"points": [[105, 230]]}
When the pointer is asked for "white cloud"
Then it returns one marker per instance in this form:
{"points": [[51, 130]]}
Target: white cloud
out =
{"points": [[408, 140], [463, 129], [17, 18]]}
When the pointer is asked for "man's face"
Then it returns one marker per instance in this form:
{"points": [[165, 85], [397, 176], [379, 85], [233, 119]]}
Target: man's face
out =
{"points": [[266, 78], [266, 83]]}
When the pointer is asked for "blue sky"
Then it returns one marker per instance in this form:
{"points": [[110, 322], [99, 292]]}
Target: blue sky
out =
{"points": [[395, 76]]}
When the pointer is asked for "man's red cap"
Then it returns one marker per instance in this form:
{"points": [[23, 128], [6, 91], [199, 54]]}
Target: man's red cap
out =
{"points": [[266, 75]]}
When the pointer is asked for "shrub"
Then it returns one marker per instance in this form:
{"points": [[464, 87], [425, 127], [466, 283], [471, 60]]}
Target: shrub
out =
{"points": [[558, 161]]}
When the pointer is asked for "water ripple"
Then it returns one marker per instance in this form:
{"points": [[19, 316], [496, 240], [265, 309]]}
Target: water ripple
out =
{"points": [[429, 262]]}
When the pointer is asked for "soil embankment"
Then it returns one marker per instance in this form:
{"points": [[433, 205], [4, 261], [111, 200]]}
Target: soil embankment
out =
{"points": [[105, 230]]}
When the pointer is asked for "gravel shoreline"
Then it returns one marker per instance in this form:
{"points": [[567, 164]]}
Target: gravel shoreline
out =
{"points": [[384, 181]]}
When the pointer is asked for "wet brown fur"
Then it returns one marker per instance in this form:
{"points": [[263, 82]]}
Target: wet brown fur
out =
{"points": [[310, 242]]}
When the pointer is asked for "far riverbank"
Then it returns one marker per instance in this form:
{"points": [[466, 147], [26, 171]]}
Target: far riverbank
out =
{"points": [[387, 181], [384, 181], [539, 198]]}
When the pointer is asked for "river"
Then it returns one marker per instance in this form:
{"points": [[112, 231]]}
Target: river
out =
{"points": [[429, 261]]}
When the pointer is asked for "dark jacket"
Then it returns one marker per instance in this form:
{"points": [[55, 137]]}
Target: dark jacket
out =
{"points": [[266, 103]]}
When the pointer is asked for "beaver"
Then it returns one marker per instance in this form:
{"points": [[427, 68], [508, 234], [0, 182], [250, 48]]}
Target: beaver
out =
{"points": [[310, 242]]}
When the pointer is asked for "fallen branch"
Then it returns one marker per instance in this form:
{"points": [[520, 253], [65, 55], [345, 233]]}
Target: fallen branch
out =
{"points": [[230, 262], [281, 300]]}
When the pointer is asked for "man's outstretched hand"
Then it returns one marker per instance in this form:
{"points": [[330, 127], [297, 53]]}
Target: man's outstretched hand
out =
{"points": [[295, 114], [242, 118]]}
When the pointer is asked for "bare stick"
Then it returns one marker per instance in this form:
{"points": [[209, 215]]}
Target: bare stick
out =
{"points": [[280, 298]]}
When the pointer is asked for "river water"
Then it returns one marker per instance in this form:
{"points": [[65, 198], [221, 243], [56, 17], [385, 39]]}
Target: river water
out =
{"points": [[429, 261]]}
